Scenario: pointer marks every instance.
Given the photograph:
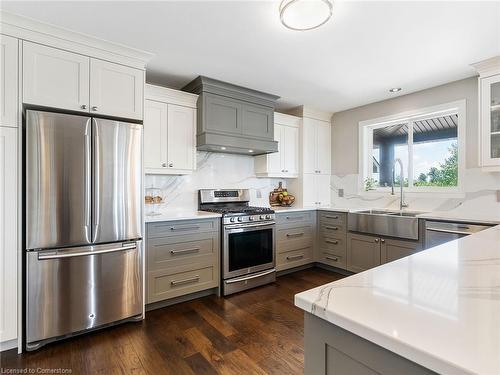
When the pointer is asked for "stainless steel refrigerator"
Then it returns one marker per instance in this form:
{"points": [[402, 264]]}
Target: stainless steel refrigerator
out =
{"points": [[83, 224]]}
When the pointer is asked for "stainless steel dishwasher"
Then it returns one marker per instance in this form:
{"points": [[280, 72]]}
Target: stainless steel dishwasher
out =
{"points": [[439, 232]]}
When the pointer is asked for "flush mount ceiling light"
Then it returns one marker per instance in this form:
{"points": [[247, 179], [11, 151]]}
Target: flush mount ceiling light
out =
{"points": [[395, 89], [303, 15]]}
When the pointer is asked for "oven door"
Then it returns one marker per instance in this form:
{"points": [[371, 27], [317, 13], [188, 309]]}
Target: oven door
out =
{"points": [[248, 248]]}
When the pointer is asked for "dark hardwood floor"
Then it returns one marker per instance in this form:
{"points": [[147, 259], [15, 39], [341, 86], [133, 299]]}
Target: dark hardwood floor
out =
{"points": [[259, 331]]}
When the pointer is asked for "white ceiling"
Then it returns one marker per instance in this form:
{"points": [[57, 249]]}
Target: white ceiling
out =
{"points": [[367, 47]]}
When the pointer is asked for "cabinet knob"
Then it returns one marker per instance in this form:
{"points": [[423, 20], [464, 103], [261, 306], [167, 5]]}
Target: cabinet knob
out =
{"points": [[282, 170], [83, 106], [382, 240], [170, 165], [164, 165], [94, 108], [377, 240]]}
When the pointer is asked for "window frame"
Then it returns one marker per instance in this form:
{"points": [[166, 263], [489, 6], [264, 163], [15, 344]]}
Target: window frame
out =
{"points": [[365, 145]]}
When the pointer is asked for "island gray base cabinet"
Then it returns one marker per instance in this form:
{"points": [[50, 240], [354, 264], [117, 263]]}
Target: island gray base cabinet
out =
{"points": [[329, 349]]}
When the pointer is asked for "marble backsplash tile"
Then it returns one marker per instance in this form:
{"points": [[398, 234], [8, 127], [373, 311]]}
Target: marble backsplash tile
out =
{"points": [[214, 171]]}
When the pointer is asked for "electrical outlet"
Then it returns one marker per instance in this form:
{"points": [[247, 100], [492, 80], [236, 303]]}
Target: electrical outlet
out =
{"points": [[341, 192], [259, 193], [498, 195]]}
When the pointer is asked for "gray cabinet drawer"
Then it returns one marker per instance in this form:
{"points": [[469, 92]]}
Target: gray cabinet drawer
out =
{"points": [[170, 283], [332, 218], [304, 217], [181, 227], [332, 230], [173, 251], [334, 260], [335, 246], [294, 238], [294, 258]]}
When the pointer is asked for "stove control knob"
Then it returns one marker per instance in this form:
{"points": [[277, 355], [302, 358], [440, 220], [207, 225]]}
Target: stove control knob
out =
{"points": [[261, 217], [268, 217], [240, 219], [250, 218], [231, 220]]}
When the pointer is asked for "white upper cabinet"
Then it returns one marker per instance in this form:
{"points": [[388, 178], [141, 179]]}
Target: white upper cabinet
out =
{"points": [[316, 146], [116, 90], [155, 132], [8, 234], [55, 78], [489, 113], [285, 162], [169, 131], [8, 81], [181, 141], [66, 80]]}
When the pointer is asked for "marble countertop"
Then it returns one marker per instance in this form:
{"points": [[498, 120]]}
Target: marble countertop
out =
{"points": [[462, 216], [309, 208], [180, 215], [439, 308]]}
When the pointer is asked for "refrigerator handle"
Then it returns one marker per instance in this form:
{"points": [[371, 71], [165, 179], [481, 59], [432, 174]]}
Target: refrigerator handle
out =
{"points": [[59, 255], [88, 182], [96, 183]]}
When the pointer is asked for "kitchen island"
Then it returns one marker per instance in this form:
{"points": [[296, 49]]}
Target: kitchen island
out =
{"points": [[435, 311]]}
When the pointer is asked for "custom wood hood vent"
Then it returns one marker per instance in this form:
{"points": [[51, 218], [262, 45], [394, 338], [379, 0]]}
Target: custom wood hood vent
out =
{"points": [[232, 118]]}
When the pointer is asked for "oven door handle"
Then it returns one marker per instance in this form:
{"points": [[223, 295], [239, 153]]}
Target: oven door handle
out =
{"points": [[257, 225], [254, 276]]}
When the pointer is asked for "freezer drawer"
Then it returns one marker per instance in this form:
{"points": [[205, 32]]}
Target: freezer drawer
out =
{"points": [[81, 288]]}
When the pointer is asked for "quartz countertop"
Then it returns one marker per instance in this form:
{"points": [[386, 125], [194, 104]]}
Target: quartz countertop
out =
{"points": [[439, 308], [474, 217], [180, 215], [280, 209]]}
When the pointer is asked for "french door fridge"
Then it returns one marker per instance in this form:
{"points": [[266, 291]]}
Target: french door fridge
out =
{"points": [[83, 224]]}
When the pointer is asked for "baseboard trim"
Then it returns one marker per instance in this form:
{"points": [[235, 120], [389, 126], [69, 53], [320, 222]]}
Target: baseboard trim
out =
{"points": [[295, 269], [8, 345], [333, 269], [176, 300]]}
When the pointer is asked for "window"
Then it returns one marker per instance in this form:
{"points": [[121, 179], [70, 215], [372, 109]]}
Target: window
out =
{"points": [[430, 143]]}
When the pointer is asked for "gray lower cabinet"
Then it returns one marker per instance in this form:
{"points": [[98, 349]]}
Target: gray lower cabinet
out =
{"points": [[391, 249], [332, 246], [182, 257], [295, 237], [365, 252], [329, 349]]}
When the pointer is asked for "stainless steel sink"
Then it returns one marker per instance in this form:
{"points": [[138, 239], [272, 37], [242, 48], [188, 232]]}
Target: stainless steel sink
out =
{"points": [[390, 223]]}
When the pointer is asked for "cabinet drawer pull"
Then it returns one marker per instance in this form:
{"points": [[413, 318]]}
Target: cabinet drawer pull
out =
{"points": [[333, 242], [293, 257], [185, 251], [193, 227], [295, 217], [332, 217], [332, 228], [295, 234], [193, 279], [335, 259]]}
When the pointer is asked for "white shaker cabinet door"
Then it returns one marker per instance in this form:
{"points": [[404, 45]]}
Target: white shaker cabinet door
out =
{"points": [[290, 138], [323, 146], [8, 81], [310, 196], [274, 160], [55, 78], [323, 190], [116, 90], [155, 136], [309, 146], [181, 143], [8, 233]]}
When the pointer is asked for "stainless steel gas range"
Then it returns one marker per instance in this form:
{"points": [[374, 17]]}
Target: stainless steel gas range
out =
{"points": [[248, 239]]}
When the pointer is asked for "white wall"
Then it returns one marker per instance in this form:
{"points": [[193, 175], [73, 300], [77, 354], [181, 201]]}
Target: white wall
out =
{"points": [[480, 187]]}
